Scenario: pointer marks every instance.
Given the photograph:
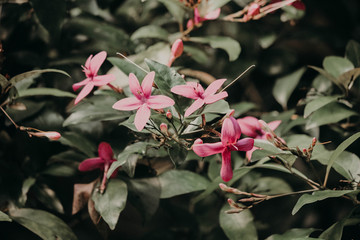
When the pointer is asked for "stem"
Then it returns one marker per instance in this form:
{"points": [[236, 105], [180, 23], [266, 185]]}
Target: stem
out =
{"points": [[127, 59], [242, 74], [7, 115], [292, 193]]}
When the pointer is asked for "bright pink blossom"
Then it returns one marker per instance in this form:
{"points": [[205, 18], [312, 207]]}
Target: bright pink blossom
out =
{"points": [[199, 19], [143, 101], [103, 162], [176, 51], [230, 134], [196, 91], [91, 69], [251, 127]]}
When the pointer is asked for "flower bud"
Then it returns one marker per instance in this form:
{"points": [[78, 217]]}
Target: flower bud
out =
{"points": [[49, 135], [314, 142], [230, 113], [253, 10], [169, 115], [223, 187], [198, 141], [164, 128], [269, 137], [177, 48]]}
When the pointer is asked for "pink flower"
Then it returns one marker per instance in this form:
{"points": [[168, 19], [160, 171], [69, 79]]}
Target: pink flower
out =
{"points": [[230, 133], [50, 135], [298, 4], [176, 51], [143, 101], [253, 10], [251, 127], [199, 19], [103, 162], [91, 68], [196, 91]]}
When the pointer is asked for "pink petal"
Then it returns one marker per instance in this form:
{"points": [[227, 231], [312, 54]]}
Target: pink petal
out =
{"points": [[76, 86], [213, 15], [91, 164], [141, 117], [134, 86], [128, 104], [84, 92], [187, 91], [195, 106], [197, 17], [214, 87], [87, 63], [105, 151], [159, 101], [207, 149], [103, 79], [177, 48], [96, 61], [147, 83], [226, 171], [214, 98], [230, 131], [274, 124], [245, 144], [250, 126], [250, 152]]}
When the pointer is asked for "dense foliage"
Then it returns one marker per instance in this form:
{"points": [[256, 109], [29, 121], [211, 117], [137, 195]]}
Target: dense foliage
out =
{"points": [[179, 119]]}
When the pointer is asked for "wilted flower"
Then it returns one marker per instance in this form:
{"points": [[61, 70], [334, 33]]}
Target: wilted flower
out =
{"points": [[91, 69], [143, 101], [230, 134], [196, 91]]}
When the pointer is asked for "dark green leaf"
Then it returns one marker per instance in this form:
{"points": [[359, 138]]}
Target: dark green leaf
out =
{"points": [[165, 79], [211, 5], [111, 203], [197, 54], [79, 142], [60, 170], [337, 65], [318, 103], [348, 78], [34, 74], [45, 91], [150, 31], [177, 182], [284, 86], [176, 152], [352, 52], [237, 226], [241, 108], [231, 46], [294, 233], [27, 184], [176, 8], [330, 113], [348, 165], [127, 67], [271, 186], [318, 196], [4, 217], [32, 108], [328, 76], [47, 197], [43, 224]]}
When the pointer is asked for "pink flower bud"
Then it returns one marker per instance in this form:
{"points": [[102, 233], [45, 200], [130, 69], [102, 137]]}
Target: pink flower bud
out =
{"points": [[253, 10], [177, 48], [269, 137], [169, 115], [230, 113], [223, 186], [49, 135], [314, 142], [164, 128]]}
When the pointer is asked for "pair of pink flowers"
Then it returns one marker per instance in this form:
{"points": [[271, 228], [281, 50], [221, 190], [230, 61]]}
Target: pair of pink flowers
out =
{"points": [[103, 162]]}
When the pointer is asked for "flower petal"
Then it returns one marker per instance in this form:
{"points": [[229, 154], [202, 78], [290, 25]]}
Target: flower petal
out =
{"points": [[226, 171], [103, 79], [213, 15], [141, 117], [84, 92], [274, 124], [128, 104], [78, 85], [195, 106], [214, 98], [230, 131], [96, 62], [134, 86], [250, 152], [147, 83], [245, 144], [105, 152], [87, 63], [91, 164], [250, 126], [214, 87], [159, 101], [185, 91], [207, 149]]}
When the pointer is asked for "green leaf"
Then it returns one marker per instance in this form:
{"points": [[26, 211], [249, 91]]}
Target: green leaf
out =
{"points": [[43, 224], [45, 91], [241, 108], [330, 113], [150, 31], [237, 226], [348, 78], [328, 76], [165, 79], [47, 197], [318, 103], [284, 86], [348, 165], [34, 74], [177, 182], [271, 186], [211, 5], [176, 152], [176, 8], [318, 196], [334, 156], [79, 142], [111, 203], [218, 107], [337, 65], [197, 54], [294, 233], [60, 170], [27, 184], [4, 217], [231, 46], [32, 107], [352, 52]]}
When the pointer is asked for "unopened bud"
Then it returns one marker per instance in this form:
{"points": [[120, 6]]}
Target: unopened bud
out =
{"points": [[231, 202], [264, 126], [269, 137], [314, 142], [164, 128], [49, 135], [305, 151], [253, 10], [230, 113], [177, 48], [223, 187], [169, 115], [198, 141]]}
